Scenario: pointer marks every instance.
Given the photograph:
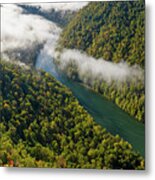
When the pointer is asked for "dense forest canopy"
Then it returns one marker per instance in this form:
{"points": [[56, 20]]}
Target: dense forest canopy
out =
{"points": [[111, 30], [43, 125], [115, 32]]}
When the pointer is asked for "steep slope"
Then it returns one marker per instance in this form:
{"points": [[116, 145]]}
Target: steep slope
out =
{"points": [[61, 18], [43, 125], [111, 30]]}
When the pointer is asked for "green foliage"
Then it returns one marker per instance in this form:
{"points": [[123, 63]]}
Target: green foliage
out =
{"points": [[43, 125], [128, 96], [113, 31]]}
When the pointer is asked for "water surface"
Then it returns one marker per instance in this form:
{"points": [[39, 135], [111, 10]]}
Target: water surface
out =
{"points": [[104, 112]]}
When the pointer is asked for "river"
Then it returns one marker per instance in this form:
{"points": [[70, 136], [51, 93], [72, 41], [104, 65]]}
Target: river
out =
{"points": [[27, 30], [104, 112]]}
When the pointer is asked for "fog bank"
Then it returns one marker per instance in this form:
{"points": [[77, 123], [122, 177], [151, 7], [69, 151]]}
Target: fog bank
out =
{"points": [[22, 31], [90, 69], [25, 34]]}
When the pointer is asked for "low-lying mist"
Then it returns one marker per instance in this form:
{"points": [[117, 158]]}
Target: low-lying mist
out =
{"points": [[88, 69], [25, 34]]}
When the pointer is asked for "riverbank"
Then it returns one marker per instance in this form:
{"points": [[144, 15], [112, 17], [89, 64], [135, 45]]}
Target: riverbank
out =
{"points": [[104, 112]]}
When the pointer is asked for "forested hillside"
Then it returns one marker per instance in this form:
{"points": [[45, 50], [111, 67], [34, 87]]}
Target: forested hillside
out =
{"points": [[60, 18], [43, 125], [115, 32], [111, 30]]}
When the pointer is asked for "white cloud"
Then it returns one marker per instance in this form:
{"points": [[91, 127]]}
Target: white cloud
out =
{"points": [[25, 31], [90, 69], [22, 30]]}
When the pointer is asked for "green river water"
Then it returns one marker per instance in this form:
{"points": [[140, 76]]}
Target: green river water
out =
{"points": [[104, 112]]}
